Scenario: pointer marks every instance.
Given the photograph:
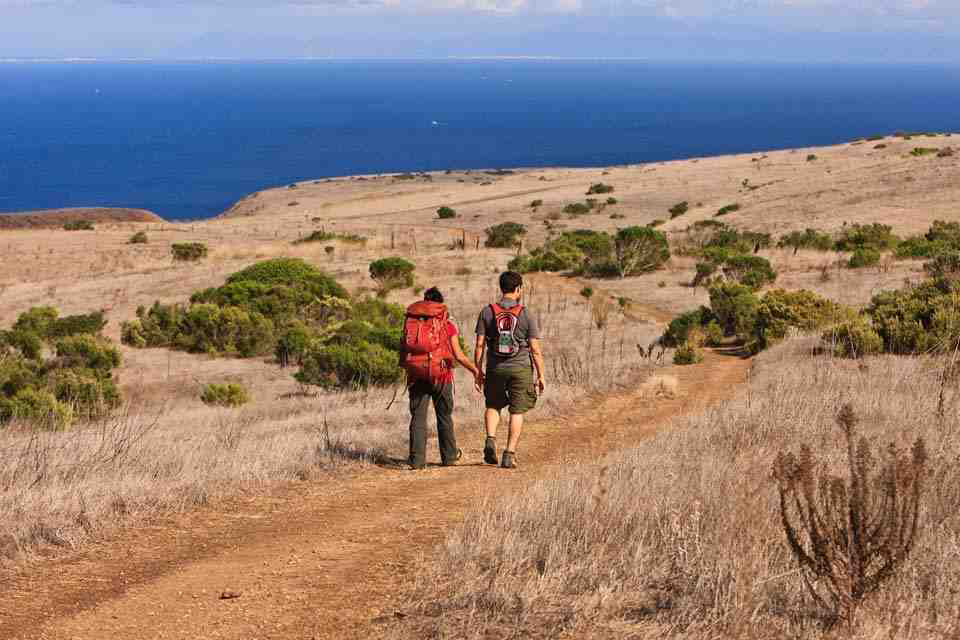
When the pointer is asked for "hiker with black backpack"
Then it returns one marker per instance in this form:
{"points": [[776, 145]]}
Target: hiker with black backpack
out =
{"points": [[509, 336], [430, 349]]}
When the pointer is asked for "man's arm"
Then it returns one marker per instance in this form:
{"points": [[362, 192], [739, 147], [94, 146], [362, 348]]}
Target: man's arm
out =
{"points": [[462, 358], [479, 352], [537, 351]]}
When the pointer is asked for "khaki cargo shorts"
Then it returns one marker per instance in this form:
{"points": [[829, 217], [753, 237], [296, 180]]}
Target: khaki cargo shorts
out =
{"points": [[510, 387]]}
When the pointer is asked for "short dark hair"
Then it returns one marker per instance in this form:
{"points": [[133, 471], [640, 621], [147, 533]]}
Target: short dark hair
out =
{"points": [[433, 295], [510, 281]]}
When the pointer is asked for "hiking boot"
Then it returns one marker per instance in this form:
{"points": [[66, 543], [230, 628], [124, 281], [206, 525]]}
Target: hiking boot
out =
{"points": [[508, 461], [456, 459], [490, 450]]}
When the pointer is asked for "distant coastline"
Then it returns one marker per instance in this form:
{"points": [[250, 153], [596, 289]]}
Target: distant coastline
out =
{"points": [[48, 218]]}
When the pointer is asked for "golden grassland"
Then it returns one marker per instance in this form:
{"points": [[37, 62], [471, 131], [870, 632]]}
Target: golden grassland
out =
{"points": [[677, 538]]}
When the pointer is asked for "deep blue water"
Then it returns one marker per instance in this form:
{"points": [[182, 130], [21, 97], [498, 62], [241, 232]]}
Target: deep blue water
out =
{"points": [[188, 139]]}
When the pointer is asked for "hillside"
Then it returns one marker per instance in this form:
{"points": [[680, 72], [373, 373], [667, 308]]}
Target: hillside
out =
{"points": [[145, 517], [47, 218]]}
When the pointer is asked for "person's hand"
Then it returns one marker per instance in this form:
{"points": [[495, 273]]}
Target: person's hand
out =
{"points": [[541, 385], [478, 381]]}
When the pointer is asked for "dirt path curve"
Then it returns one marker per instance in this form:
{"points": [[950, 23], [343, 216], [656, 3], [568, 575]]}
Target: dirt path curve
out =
{"points": [[314, 561]]}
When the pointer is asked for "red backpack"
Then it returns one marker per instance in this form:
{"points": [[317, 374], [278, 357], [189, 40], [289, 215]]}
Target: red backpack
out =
{"points": [[426, 342]]}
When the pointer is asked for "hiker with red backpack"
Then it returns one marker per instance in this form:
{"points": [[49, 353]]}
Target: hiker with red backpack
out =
{"points": [[510, 337], [430, 350]]}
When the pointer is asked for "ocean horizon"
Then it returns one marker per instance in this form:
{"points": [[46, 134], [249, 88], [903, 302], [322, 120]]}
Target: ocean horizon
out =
{"points": [[188, 139]]}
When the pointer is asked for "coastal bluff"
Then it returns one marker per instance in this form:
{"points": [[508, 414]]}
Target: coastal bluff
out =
{"points": [[46, 218]]}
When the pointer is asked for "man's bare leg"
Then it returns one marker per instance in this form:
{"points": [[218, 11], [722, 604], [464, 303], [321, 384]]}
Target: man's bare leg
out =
{"points": [[516, 426], [491, 420]]}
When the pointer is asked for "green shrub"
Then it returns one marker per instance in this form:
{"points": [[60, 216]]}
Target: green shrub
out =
{"points": [[730, 208], [504, 235], [735, 308], [37, 406], [599, 187], [680, 328], [321, 235], [88, 352], [188, 251], [687, 354], [140, 237], [445, 213], [942, 237], [864, 257], [587, 292], [612, 201], [924, 151], [577, 209], [920, 319], [944, 265], [352, 364], [392, 273], [679, 209], [811, 157], [713, 334], [536, 203], [637, 250], [78, 225], [225, 395], [868, 236], [854, 339], [750, 270], [807, 239], [76, 381]]}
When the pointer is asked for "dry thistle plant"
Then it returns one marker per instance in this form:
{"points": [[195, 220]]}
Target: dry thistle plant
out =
{"points": [[849, 536]]}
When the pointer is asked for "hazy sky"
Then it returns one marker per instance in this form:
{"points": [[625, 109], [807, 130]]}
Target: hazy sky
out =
{"points": [[763, 30]]}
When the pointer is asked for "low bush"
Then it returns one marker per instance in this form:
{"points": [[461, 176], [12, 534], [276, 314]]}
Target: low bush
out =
{"points": [[504, 235], [924, 151], [577, 209], [686, 355], [536, 203], [78, 225], [188, 251], [918, 319], [683, 326], [864, 257], [942, 237], [598, 188], [321, 235], [445, 213], [140, 237], [53, 369], [806, 239], [730, 208], [945, 265], [357, 364], [225, 395], [868, 236], [679, 209], [750, 270], [811, 157], [392, 273], [854, 339], [612, 201]]}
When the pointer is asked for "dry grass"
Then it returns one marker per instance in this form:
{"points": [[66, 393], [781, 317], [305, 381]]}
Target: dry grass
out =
{"points": [[168, 451], [682, 537]]}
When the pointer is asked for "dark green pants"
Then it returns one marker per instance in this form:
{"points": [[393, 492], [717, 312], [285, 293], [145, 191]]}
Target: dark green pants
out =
{"points": [[421, 393]]}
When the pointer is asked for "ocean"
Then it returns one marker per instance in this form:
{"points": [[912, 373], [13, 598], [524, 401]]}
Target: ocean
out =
{"points": [[186, 140]]}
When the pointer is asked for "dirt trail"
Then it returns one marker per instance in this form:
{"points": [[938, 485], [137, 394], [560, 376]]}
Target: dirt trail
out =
{"points": [[314, 561]]}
